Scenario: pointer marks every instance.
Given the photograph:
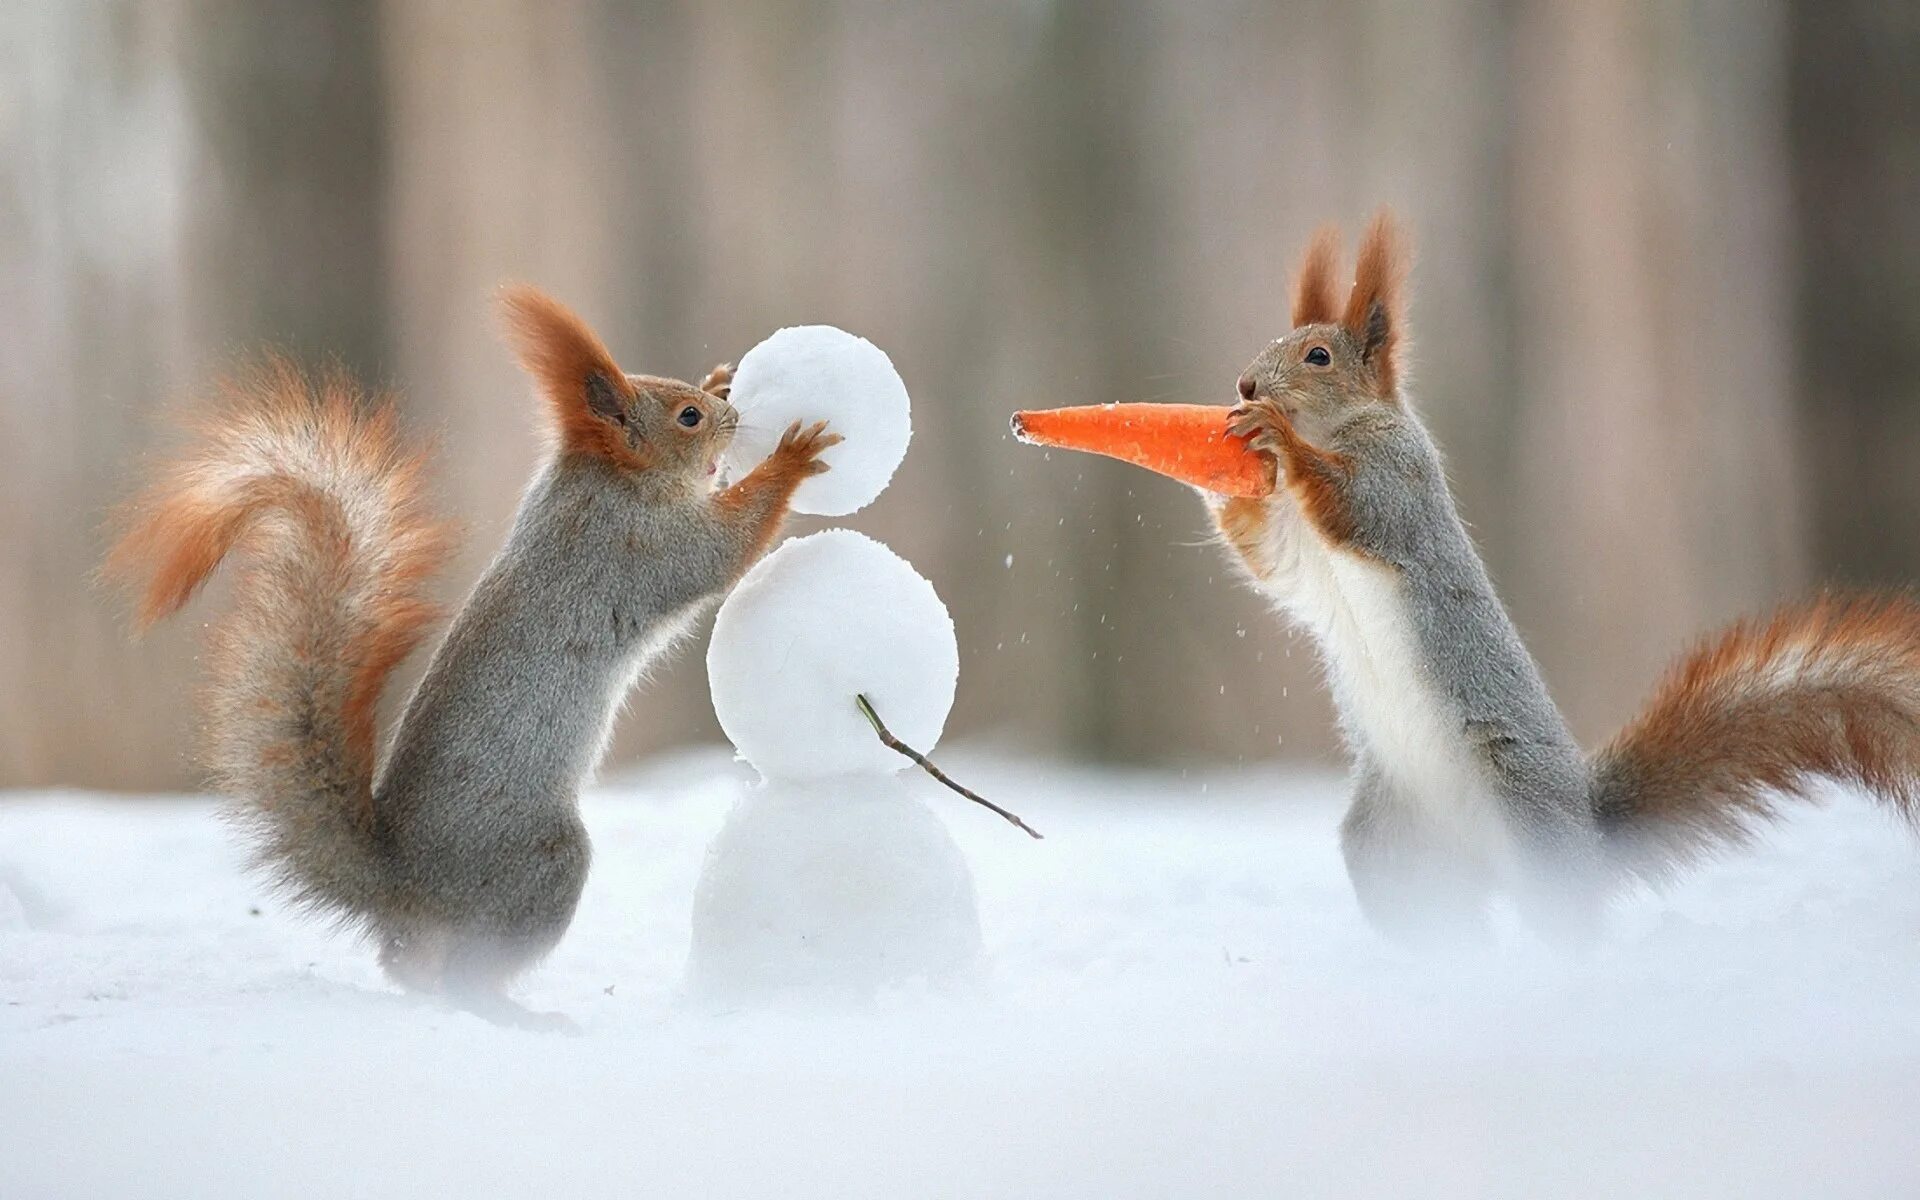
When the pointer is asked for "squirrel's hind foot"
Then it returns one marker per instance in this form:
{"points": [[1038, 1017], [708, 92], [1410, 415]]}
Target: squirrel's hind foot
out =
{"points": [[468, 978], [417, 963]]}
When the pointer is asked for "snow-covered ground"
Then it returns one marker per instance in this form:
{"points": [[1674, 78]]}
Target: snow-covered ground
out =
{"points": [[1179, 999]]}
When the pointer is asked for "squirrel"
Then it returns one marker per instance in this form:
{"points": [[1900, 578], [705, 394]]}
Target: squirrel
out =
{"points": [[464, 855], [1466, 782]]}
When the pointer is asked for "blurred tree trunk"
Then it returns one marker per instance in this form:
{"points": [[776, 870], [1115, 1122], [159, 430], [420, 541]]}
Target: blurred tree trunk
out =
{"points": [[1854, 103], [1655, 468], [1094, 224], [1025, 205], [289, 245], [509, 120], [95, 167], [208, 175]]}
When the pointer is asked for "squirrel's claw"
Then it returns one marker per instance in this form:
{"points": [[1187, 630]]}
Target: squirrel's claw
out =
{"points": [[1259, 421], [807, 444]]}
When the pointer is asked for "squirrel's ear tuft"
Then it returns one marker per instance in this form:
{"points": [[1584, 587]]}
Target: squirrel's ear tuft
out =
{"points": [[1316, 293], [586, 392], [1376, 307]]}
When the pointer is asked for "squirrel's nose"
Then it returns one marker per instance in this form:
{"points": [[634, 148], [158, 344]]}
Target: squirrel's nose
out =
{"points": [[1247, 387]]}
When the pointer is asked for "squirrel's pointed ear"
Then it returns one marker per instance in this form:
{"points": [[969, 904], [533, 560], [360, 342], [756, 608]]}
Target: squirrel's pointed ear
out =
{"points": [[1316, 294], [719, 381], [1376, 307], [586, 392]]}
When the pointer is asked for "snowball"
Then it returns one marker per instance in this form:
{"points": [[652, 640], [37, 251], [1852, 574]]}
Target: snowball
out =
{"points": [[814, 373], [817, 622], [835, 886]]}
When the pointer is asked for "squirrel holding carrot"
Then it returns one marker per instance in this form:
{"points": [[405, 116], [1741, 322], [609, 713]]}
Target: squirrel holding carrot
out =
{"points": [[1466, 781], [1326, 486], [463, 855]]}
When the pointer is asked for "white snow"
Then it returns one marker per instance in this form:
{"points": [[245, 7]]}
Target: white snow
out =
{"points": [[1178, 999], [840, 886], [811, 373], [13, 914], [821, 620]]}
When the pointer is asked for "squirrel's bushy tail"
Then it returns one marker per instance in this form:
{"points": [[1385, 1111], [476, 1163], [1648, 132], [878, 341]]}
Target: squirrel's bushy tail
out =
{"points": [[311, 482], [1826, 689]]}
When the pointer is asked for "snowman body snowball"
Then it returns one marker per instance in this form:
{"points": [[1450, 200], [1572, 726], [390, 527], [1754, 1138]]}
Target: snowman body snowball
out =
{"points": [[831, 875]]}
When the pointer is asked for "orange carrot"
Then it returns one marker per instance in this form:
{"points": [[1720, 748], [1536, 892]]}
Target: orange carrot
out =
{"points": [[1188, 442]]}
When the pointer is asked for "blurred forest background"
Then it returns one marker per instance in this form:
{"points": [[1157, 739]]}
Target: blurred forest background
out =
{"points": [[1666, 309]]}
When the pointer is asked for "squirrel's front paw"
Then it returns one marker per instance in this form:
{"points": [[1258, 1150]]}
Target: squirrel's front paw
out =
{"points": [[1263, 423], [801, 448], [719, 381]]}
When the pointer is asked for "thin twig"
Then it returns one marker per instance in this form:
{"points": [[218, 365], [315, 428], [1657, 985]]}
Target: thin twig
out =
{"points": [[925, 764]]}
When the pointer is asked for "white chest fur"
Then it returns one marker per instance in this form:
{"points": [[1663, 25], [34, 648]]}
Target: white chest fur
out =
{"points": [[1390, 708]]}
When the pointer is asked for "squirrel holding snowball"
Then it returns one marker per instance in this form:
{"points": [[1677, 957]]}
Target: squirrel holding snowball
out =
{"points": [[1466, 781], [463, 855]]}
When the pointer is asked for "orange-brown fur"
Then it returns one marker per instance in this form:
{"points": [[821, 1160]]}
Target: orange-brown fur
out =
{"points": [[565, 357], [598, 411], [719, 381], [1315, 477], [470, 869], [1376, 307], [1829, 688], [1316, 289], [1244, 522], [275, 455], [758, 503], [1286, 402]]}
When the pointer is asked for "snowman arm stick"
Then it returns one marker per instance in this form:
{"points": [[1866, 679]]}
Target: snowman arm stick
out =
{"points": [[925, 764]]}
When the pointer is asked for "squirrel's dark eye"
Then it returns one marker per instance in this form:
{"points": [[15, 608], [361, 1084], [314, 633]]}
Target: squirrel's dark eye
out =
{"points": [[1318, 356], [689, 416]]}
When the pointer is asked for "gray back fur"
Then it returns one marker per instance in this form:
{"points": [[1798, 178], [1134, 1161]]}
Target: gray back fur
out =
{"points": [[1404, 515], [602, 570]]}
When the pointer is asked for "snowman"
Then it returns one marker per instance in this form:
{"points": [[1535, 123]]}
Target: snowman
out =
{"points": [[832, 666]]}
